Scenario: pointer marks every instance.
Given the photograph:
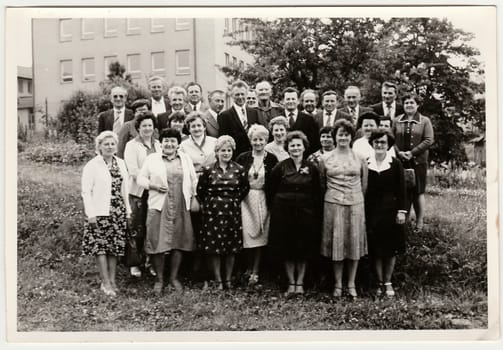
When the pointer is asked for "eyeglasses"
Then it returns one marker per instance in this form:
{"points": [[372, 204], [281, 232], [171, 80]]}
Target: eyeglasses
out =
{"points": [[118, 96]]}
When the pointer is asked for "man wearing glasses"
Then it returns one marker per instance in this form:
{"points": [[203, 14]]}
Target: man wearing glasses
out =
{"points": [[115, 118]]}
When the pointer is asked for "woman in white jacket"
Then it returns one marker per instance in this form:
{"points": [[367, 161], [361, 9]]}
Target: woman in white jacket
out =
{"points": [[171, 180], [105, 195]]}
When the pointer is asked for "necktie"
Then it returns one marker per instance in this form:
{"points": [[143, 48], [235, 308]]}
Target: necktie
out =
{"points": [[117, 122], [388, 110], [244, 119], [329, 119], [194, 108], [290, 119]]}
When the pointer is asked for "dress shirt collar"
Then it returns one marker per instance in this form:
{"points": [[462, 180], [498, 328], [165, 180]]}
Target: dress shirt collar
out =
{"points": [[405, 119], [295, 112], [385, 165], [213, 113]]}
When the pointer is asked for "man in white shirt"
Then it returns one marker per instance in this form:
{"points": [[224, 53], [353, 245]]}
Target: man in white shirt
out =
{"points": [[177, 96], [114, 118], [216, 99], [330, 113], [156, 85], [195, 97], [352, 97], [388, 107]]}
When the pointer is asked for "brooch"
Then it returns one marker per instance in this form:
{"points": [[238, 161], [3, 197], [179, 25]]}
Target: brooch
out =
{"points": [[304, 170]]}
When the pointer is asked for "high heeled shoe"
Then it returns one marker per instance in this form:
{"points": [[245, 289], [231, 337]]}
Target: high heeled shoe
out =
{"points": [[352, 293], [108, 291], [337, 293], [389, 291]]}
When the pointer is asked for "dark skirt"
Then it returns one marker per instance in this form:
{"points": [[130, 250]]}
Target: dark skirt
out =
{"points": [[294, 230], [385, 237], [420, 170]]}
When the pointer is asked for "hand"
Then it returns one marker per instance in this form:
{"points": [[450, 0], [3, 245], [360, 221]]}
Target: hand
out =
{"points": [[92, 222], [400, 218], [408, 154], [161, 189], [402, 155]]}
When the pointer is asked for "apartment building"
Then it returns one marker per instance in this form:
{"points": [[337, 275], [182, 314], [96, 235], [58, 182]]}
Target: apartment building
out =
{"points": [[25, 116], [74, 53]]}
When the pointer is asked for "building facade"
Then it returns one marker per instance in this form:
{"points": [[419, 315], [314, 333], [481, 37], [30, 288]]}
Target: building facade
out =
{"points": [[25, 115], [74, 53]]}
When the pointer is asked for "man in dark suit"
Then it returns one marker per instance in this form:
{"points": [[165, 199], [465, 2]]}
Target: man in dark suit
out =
{"points": [[352, 97], [236, 120], [309, 101], [195, 97], [330, 114], [216, 99], [266, 108], [177, 96], [388, 107], [114, 118], [159, 103], [300, 120]]}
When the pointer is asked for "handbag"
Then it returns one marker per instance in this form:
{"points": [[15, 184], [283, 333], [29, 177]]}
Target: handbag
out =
{"points": [[195, 207], [410, 178], [132, 256]]}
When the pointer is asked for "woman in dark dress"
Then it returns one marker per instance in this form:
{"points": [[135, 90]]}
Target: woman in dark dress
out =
{"points": [[385, 209], [414, 136], [296, 211], [220, 190]]}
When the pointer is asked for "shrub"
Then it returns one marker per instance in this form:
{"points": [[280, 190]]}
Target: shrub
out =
{"points": [[464, 176], [60, 153]]}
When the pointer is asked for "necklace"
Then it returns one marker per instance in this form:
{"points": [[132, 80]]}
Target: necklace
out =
{"points": [[255, 170]]}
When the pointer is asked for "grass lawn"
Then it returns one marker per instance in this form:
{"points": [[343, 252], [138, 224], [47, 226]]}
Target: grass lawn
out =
{"points": [[441, 281]]}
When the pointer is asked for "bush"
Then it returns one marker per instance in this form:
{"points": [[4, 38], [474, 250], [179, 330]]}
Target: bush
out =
{"points": [[464, 176], [60, 153]]}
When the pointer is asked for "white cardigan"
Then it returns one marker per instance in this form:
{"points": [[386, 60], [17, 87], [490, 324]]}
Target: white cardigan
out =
{"points": [[97, 187], [153, 172], [135, 154]]}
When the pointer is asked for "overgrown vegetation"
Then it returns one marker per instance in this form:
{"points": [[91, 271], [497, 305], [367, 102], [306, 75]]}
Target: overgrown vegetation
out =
{"points": [[441, 280]]}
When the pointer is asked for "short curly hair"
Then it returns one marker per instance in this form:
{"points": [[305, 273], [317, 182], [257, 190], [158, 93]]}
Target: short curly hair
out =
{"points": [[225, 140], [257, 129], [170, 133], [345, 125], [144, 116], [380, 132], [294, 135], [102, 136]]}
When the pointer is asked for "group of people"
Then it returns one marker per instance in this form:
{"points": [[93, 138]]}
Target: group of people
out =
{"points": [[178, 176]]}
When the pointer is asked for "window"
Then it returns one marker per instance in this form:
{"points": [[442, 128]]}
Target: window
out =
{"points": [[234, 61], [182, 23], [182, 62], [241, 31], [158, 65], [66, 71], [111, 27], [247, 33], [65, 29], [227, 59], [133, 26], [234, 24], [108, 60], [241, 65], [30, 91], [133, 65], [227, 26], [156, 25], [87, 29], [88, 72]]}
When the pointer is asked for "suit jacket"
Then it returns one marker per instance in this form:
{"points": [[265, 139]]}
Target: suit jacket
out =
{"points": [[378, 109], [339, 114], [202, 108], [230, 124], [361, 110], [307, 125], [211, 124], [106, 119]]}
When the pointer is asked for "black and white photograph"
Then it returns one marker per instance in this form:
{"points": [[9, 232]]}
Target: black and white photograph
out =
{"points": [[253, 174]]}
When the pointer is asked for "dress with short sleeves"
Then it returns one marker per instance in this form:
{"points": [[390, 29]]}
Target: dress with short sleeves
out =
{"points": [[220, 193]]}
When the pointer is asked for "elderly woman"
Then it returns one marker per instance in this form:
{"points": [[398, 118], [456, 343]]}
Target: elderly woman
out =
{"points": [[385, 209], [135, 153], [414, 136], [278, 127], [104, 191], [220, 190], [344, 175], [295, 211], [258, 165], [366, 123], [177, 121], [171, 180], [327, 145]]}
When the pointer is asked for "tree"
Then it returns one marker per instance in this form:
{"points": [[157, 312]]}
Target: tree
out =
{"points": [[425, 55]]}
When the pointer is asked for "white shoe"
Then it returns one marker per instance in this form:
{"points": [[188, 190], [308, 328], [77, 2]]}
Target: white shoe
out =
{"points": [[135, 271]]}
